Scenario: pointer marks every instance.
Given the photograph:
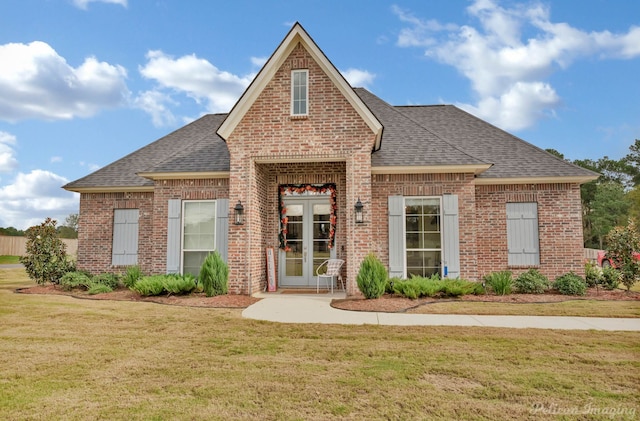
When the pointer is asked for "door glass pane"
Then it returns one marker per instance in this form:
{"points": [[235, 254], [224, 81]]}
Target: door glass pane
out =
{"points": [[295, 238]]}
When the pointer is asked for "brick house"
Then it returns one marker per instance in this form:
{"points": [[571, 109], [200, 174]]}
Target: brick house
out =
{"points": [[441, 190]]}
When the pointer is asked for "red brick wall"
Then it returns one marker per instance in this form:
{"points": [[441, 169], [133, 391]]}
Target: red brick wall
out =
{"points": [[95, 229], [462, 185], [559, 220], [196, 189], [333, 131]]}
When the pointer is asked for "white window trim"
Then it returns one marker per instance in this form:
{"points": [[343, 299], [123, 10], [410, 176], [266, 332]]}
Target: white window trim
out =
{"points": [[306, 73], [404, 231], [215, 233]]}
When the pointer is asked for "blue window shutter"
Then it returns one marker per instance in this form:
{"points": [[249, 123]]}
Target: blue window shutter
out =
{"points": [[174, 231], [451, 235], [396, 237], [125, 237], [522, 234], [222, 227]]}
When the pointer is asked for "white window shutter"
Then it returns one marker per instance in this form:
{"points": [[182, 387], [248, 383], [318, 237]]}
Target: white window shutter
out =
{"points": [[451, 236], [173, 235], [125, 237], [396, 237], [222, 227], [522, 234]]}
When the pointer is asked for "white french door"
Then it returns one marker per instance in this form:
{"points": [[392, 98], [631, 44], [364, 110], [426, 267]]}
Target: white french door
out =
{"points": [[308, 241]]}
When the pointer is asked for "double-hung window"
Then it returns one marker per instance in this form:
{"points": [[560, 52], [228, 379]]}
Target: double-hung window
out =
{"points": [[198, 233], [423, 236], [300, 92]]}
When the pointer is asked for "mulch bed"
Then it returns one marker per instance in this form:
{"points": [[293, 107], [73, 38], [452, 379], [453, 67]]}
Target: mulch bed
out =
{"points": [[192, 300], [397, 304]]}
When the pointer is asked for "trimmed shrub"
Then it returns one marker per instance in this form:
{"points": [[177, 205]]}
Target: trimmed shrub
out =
{"points": [[214, 275], [592, 274], [71, 280], [500, 282], [149, 285], [109, 279], [99, 289], [176, 284], [372, 277], [570, 284], [611, 278], [531, 282], [458, 287], [131, 276]]}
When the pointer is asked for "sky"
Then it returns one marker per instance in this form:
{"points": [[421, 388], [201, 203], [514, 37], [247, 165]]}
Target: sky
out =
{"points": [[86, 82]]}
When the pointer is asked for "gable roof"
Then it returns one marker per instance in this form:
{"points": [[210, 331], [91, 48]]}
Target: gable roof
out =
{"points": [[514, 160], [297, 35], [194, 148]]}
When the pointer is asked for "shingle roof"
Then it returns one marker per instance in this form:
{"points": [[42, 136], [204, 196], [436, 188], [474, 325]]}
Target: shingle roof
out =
{"points": [[436, 135], [193, 148], [512, 157]]}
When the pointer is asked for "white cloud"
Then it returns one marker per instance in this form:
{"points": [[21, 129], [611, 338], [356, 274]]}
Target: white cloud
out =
{"points": [[36, 82], [8, 161], [55, 159], [153, 102], [259, 61], [83, 4], [509, 71], [195, 77], [33, 197], [358, 78]]}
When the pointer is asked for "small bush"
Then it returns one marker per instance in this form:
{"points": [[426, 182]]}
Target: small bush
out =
{"points": [[131, 276], [458, 287], [99, 289], [108, 279], [623, 243], [149, 285], [611, 278], [500, 282], [592, 273], [531, 282], [72, 280], [372, 277], [570, 284], [179, 284], [214, 275]]}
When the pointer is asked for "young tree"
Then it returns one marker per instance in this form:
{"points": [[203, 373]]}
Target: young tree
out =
{"points": [[623, 243], [46, 259]]}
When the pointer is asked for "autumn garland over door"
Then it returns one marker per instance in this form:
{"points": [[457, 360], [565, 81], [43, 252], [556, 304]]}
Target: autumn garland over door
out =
{"points": [[306, 190]]}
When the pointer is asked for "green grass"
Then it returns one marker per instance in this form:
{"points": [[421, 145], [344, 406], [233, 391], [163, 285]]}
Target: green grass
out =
{"points": [[9, 260], [75, 359]]}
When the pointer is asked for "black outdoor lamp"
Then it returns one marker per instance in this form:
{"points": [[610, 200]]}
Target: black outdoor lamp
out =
{"points": [[239, 213], [358, 207]]}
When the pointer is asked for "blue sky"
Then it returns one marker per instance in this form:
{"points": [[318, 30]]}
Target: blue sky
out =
{"points": [[85, 82]]}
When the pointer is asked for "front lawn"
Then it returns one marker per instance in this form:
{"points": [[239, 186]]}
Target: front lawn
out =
{"points": [[77, 359], [9, 260]]}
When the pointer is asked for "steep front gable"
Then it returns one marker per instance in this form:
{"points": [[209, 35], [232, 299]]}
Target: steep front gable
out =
{"points": [[264, 110]]}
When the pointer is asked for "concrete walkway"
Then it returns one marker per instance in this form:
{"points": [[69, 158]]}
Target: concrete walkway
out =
{"points": [[316, 308]]}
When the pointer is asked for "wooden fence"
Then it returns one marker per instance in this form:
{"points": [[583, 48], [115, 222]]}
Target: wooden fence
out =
{"points": [[591, 254], [16, 246]]}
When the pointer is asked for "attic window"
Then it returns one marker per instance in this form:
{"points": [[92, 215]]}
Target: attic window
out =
{"points": [[299, 92]]}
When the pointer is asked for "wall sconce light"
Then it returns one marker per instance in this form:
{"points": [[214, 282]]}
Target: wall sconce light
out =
{"points": [[238, 211], [358, 207]]}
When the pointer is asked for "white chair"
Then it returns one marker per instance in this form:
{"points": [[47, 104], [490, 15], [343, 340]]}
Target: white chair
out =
{"points": [[333, 267]]}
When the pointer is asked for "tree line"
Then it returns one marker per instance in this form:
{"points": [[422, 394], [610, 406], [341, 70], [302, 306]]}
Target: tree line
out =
{"points": [[613, 198], [68, 230]]}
